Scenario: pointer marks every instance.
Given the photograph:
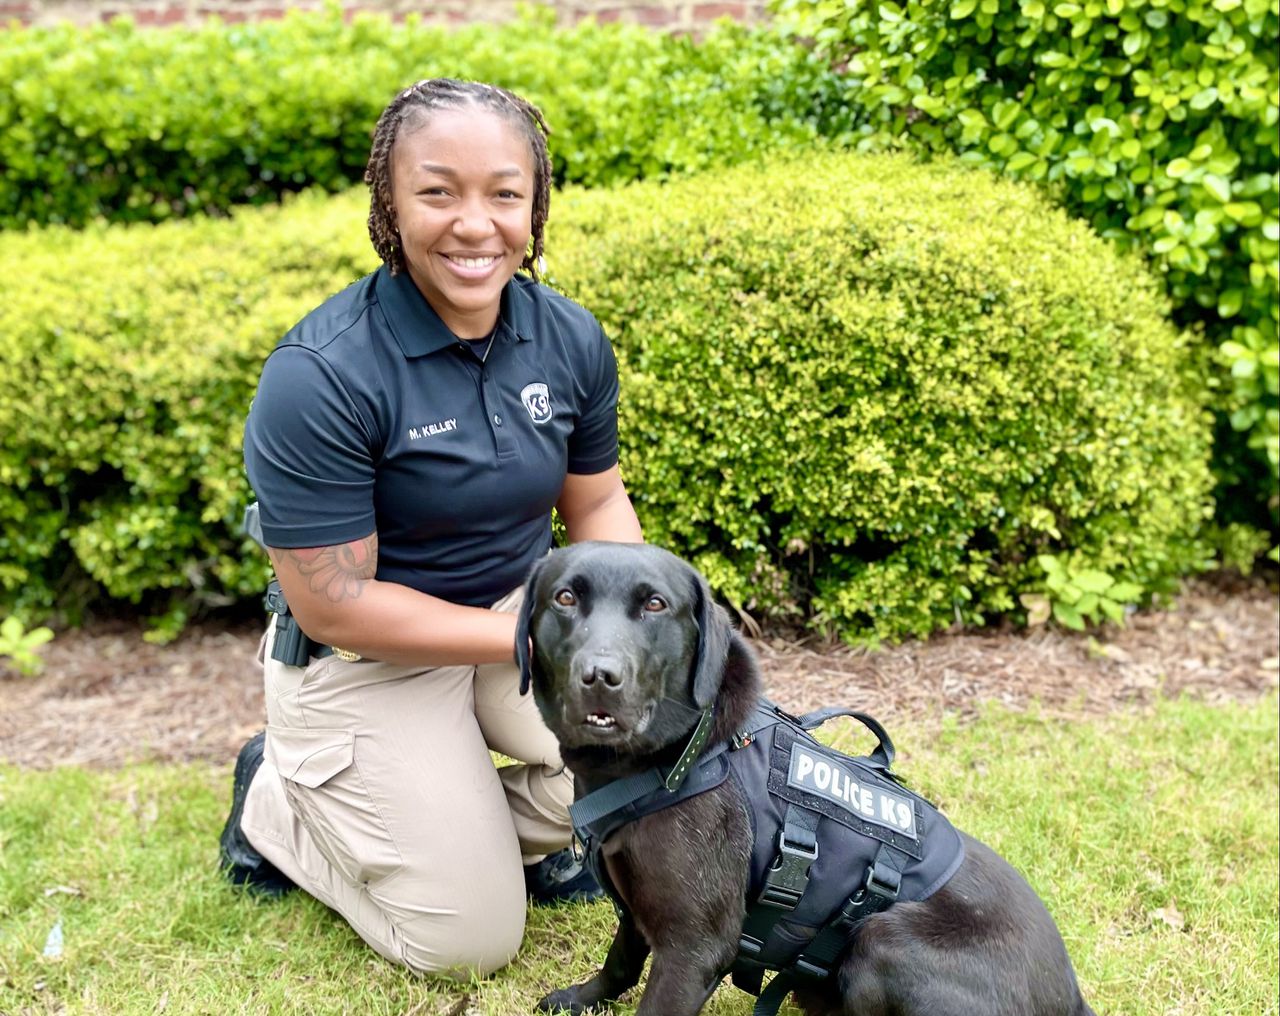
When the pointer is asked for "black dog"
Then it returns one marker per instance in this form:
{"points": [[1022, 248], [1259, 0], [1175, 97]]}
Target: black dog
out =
{"points": [[628, 650]]}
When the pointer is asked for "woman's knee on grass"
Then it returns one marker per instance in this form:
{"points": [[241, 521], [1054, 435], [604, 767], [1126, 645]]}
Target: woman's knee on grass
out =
{"points": [[465, 944]]}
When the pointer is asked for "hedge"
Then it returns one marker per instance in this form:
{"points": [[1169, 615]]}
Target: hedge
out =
{"points": [[878, 392], [853, 386], [1158, 121], [131, 356], [142, 125]]}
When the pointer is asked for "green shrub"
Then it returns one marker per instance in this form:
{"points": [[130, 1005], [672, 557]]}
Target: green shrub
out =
{"points": [[878, 391], [130, 360], [1155, 120], [140, 125], [18, 645], [851, 385]]}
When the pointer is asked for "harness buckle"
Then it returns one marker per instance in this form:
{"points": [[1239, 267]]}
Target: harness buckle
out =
{"points": [[787, 878], [886, 882], [818, 971]]}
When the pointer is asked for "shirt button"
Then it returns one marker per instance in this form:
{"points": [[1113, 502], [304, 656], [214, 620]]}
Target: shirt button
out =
{"points": [[497, 420]]}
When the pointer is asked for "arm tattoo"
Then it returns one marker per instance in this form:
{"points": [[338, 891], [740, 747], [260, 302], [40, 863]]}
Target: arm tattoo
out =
{"points": [[336, 573]]}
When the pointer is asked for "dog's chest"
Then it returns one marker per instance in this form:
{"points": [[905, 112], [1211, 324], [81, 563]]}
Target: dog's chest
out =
{"points": [[676, 863]]}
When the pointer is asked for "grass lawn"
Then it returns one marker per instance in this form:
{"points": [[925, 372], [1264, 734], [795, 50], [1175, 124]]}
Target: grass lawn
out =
{"points": [[1152, 837]]}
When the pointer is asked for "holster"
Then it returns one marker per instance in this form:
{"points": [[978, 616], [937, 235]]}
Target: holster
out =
{"points": [[291, 645]]}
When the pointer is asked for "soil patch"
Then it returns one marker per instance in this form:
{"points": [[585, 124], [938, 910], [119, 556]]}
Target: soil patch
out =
{"points": [[107, 697]]}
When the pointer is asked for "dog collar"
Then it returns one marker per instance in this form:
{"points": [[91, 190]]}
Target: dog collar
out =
{"points": [[685, 762]]}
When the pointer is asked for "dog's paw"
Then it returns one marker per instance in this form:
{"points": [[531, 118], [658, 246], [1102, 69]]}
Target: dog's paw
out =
{"points": [[566, 1000]]}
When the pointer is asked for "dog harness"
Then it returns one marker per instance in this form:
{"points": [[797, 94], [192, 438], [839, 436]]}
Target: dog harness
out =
{"points": [[835, 839]]}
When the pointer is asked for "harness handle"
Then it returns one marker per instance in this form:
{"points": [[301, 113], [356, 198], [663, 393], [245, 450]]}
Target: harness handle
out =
{"points": [[881, 757]]}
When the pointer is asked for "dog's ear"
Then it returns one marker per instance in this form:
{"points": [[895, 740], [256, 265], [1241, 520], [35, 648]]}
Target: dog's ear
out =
{"points": [[524, 654], [714, 633]]}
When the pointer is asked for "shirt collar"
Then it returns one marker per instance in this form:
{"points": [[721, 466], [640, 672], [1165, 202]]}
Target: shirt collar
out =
{"points": [[417, 327]]}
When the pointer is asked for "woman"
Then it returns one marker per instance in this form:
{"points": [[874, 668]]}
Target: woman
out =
{"points": [[407, 443]]}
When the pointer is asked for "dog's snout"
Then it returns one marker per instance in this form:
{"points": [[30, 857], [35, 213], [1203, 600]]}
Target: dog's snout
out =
{"points": [[606, 673]]}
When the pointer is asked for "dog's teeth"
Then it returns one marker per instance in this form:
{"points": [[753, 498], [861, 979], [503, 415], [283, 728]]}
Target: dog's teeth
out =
{"points": [[601, 720]]}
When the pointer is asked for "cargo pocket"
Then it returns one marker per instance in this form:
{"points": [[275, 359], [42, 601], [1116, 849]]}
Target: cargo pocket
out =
{"points": [[322, 781]]}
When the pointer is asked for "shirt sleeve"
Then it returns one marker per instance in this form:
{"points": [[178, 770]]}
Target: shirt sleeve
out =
{"points": [[309, 455], [593, 446]]}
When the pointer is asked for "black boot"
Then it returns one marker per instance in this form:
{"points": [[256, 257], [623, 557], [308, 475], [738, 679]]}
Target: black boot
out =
{"points": [[560, 878], [241, 864]]}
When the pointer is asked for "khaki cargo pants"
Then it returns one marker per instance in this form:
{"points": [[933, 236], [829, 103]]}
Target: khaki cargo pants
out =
{"points": [[379, 797]]}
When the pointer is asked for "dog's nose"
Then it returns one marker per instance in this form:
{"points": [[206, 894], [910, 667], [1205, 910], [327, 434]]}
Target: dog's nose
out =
{"points": [[602, 672]]}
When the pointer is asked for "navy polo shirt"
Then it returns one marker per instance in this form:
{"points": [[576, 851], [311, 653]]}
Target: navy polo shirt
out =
{"points": [[372, 415]]}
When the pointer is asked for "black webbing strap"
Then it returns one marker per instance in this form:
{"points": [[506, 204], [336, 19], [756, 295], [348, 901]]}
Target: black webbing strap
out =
{"points": [[882, 756], [612, 797], [879, 891], [784, 884]]}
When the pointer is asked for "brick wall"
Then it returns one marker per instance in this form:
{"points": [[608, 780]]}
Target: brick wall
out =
{"points": [[672, 15]]}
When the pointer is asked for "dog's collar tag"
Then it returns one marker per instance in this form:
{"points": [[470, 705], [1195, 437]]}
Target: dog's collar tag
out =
{"points": [[690, 754]]}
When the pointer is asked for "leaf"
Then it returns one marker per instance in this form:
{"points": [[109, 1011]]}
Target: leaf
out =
{"points": [[1114, 611], [1092, 581], [1218, 186], [38, 637], [1038, 608], [1126, 592], [1049, 563], [1229, 303], [1003, 114], [1179, 167], [1068, 616]]}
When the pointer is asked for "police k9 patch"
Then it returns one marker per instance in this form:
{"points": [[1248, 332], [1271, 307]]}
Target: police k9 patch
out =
{"points": [[537, 399], [849, 790]]}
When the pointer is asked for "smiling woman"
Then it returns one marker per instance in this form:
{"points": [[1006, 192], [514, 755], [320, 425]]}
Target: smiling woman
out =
{"points": [[408, 441], [463, 190]]}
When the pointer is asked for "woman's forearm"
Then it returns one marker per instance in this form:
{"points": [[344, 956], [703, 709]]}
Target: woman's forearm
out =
{"points": [[336, 601]]}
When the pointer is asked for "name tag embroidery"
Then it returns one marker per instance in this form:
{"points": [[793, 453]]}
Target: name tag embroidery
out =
{"points": [[816, 774], [432, 429]]}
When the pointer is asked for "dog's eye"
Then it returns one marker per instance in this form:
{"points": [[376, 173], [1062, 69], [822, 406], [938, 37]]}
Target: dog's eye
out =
{"points": [[566, 598], [655, 604]]}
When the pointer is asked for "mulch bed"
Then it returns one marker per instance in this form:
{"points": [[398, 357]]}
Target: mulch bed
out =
{"points": [[106, 697]]}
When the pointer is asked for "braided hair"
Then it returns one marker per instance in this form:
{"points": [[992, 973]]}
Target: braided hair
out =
{"points": [[415, 104]]}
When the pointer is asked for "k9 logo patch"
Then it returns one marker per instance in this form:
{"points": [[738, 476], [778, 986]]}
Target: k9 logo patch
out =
{"points": [[823, 776], [537, 399]]}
